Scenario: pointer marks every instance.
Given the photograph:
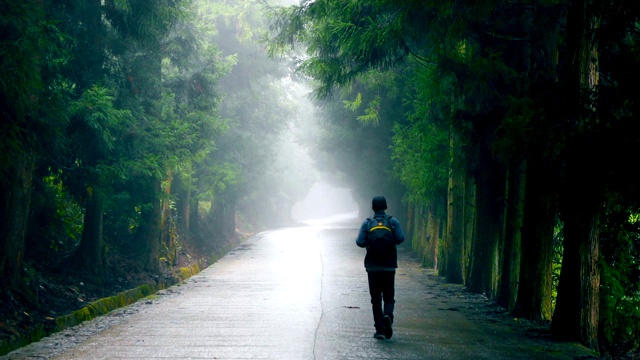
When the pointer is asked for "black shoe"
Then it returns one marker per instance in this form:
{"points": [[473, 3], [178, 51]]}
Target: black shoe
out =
{"points": [[388, 331], [378, 335]]}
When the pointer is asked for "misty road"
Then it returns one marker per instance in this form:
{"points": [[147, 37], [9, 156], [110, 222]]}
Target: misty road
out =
{"points": [[301, 293]]}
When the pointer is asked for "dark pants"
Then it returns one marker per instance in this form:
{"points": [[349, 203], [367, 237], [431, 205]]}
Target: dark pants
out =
{"points": [[381, 288]]}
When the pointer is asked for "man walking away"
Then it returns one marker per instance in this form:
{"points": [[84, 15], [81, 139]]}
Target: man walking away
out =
{"points": [[380, 235]]}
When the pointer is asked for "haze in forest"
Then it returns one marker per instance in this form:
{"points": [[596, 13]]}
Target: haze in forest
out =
{"points": [[324, 200]]}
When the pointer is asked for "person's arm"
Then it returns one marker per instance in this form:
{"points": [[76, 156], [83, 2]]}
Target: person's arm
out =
{"points": [[397, 231], [361, 240]]}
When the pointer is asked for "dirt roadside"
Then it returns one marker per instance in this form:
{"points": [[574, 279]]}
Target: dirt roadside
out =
{"points": [[493, 329]]}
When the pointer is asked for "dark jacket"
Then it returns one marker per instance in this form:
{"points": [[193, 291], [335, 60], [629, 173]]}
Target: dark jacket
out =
{"points": [[389, 263]]}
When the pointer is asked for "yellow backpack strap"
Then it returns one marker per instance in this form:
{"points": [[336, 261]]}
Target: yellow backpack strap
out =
{"points": [[380, 226]]}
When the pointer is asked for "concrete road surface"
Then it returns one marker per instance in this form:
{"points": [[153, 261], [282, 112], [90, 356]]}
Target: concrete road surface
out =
{"points": [[301, 294]]}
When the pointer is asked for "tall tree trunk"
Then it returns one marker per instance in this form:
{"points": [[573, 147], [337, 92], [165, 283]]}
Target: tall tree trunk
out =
{"points": [[183, 204], [590, 281], [148, 233], [534, 291], [433, 236], [490, 197], [167, 225], [469, 224], [419, 238], [17, 154], [15, 198], [439, 229], [230, 218], [455, 216], [223, 214], [408, 230], [90, 254], [92, 42], [396, 207], [577, 306], [510, 269]]}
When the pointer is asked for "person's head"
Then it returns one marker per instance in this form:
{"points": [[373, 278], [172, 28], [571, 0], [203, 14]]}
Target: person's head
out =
{"points": [[379, 203]]}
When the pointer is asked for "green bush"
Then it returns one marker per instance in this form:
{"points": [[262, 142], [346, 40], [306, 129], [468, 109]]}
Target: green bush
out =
{"points": [[620, 285], [56, 221]]}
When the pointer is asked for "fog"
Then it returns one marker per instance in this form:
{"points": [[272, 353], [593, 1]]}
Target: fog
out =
{"points": [[324, 201]]}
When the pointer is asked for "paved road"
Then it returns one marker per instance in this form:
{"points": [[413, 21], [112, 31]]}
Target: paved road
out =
{"points": [[301, 294]]}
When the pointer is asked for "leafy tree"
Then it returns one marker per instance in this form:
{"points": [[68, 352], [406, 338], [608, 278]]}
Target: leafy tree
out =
{"points": [[248, 170], [355, 139], [94, 128], [422, 143], [620, 294], [600, 36], [32, 48]]}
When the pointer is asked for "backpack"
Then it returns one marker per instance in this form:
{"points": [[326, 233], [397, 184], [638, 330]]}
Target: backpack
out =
{"points": [[380, 238]]}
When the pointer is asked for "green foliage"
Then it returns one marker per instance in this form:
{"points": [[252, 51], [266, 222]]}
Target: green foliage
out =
{"points": [[33, 49], [245, 15], [516, 128], [218, 178], [372, 112], [621, 312], [420, 154], [348, 44], [620, 290], [258, 104], [556, 264], [343, 39], [353, 141], [132, 93], [59, 219], [421, 150], [355, 104], [68, 211], [23, 37], [96, 124]]}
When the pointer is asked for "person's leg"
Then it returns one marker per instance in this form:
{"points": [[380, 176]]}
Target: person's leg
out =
{"points": [[388, 294], [375, 290]]}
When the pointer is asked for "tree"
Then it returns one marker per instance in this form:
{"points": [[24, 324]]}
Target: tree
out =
{"points": [[421, 161], [149, 88], [248, 171], [170, 78], [92, 133], [617, 107], [592, 32], [31, 49]]}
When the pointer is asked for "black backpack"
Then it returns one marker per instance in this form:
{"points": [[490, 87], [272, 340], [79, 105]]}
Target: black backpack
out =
{"points": [[380, 238]]}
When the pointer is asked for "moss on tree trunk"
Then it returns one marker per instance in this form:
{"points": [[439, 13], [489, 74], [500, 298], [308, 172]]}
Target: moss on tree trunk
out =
{"points": [[534, 291]]}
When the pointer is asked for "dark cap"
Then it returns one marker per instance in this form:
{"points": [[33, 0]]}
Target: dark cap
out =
{"points": [[379, 203]]}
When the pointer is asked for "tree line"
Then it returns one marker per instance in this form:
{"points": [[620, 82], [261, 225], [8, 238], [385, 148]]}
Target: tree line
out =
{"points": [[508, 128], [136, 128]]}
